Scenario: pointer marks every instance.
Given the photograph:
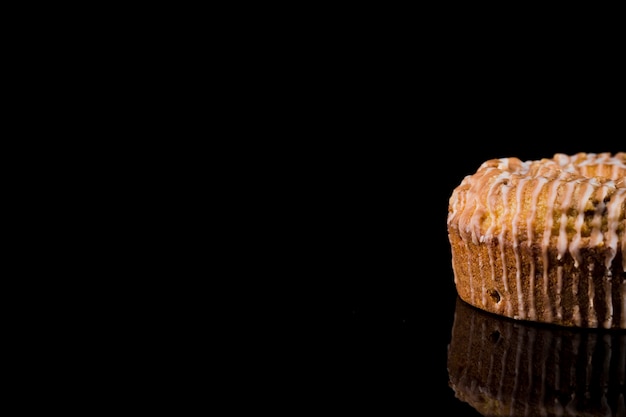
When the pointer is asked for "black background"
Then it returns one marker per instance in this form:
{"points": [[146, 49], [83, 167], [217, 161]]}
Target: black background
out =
{"points": [[397, 120]]}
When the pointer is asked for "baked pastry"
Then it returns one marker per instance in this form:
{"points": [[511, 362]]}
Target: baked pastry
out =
{"points": [[504, 367], [543, 240]]}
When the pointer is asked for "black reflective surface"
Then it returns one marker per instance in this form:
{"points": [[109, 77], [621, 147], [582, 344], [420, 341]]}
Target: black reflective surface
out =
{"points": [[429, 347], [503, 367]]}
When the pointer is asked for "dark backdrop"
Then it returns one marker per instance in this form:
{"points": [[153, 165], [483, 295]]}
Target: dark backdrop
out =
{"points": [[396, 121]]}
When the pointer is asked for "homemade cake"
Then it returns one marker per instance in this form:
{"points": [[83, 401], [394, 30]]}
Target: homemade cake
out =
{"points": [[503, 367], [543, 240]]}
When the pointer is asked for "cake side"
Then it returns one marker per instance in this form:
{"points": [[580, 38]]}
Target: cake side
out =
{"points": [[528, 283]]}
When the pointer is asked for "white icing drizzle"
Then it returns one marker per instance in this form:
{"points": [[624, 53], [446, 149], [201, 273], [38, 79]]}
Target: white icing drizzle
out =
{"points": [[561, 244], [471, 274], [574, 246], [516, 249], [596, 223], [615, 206], [483, 294], [545, 244], [532, 313], [575, 304], [492, 264], [505, 280], [608, 301], [592, 318]]}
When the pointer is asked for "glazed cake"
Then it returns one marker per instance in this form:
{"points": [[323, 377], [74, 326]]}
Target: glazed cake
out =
{"points": [[543, 240]]}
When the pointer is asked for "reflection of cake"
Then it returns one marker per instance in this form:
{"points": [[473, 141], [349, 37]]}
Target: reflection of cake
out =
{"points": [[502, 367], [543, 240]]}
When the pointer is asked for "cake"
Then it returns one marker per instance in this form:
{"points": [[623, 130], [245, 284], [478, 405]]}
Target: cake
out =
{"points": [[504, 367], [543, 240]]}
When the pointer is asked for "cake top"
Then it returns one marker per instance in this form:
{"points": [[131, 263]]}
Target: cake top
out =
{"points": [[597, 168], [566, 201]]}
